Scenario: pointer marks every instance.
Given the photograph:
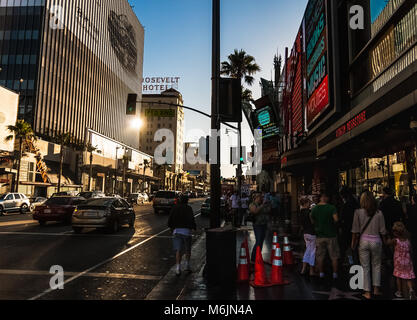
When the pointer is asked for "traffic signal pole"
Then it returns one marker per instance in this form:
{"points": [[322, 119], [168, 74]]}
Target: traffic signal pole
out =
{"points": [[215, 118]]}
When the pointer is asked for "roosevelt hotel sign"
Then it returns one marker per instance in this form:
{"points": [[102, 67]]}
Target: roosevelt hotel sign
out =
{"points": [[159, 84]]}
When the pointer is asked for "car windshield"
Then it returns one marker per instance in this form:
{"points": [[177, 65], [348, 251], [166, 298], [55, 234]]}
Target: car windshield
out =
{"points": [[165, 194], [3, 196], [85, 194], [103, 202], [57, 201]]}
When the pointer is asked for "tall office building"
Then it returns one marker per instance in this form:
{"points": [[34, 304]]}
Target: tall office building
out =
{"points": [[163, 111], [73, 63]]}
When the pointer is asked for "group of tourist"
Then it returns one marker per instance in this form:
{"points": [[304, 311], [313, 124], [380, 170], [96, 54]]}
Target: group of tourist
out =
{"points": [[365, 232]]}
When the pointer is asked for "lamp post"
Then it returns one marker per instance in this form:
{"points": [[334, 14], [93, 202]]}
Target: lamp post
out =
{"points": [[215, 119]]}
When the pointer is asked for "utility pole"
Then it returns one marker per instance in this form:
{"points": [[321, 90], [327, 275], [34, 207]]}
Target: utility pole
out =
{"points": [[239, 168], [215, 119]]}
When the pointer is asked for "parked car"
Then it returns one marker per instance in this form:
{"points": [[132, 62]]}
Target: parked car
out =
{"points": [[65, 194], [145, 196], [165, 200], [136, 198], [205, 207], [14, 202], [38, 201], [103, 213], [92, 194], [57, 209]]}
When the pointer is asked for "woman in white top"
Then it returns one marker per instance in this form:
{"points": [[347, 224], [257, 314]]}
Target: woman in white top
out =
{"points": [[368, 228]]}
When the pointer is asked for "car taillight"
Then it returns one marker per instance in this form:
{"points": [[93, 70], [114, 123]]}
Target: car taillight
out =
{"points": [[176, 201]]}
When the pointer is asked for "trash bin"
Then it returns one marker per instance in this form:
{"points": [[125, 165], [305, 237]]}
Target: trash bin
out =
{"points": [[221, 257]]}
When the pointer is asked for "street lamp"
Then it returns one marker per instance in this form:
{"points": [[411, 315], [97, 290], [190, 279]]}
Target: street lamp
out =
{"points": [[136, 123]]}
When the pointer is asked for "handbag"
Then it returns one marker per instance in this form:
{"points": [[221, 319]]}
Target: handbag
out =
{"points": [[355, 252]]}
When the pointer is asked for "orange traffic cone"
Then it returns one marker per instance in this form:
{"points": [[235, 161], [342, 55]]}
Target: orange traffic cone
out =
{"points": [[243, 268], [246, 244], [260, 280], [276, 273], [274, 246], [288, 256]]}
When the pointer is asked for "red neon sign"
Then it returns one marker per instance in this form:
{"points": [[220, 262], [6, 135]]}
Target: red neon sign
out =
{"points": [[351, 124], [318, 101]]}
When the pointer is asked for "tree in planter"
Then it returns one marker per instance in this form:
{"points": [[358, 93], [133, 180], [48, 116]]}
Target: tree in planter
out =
{"points": [[90, 148], [64, 140], [22, 131], [146, 164]]}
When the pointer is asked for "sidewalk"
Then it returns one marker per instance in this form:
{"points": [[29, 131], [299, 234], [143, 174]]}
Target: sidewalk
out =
{"points": [[194, 287]]}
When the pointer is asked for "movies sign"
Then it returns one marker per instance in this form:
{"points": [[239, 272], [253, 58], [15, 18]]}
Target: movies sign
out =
{"points": [[317, 70]]}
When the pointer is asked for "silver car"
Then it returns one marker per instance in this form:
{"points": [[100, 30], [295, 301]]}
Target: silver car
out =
{"points": [[14, 202]]}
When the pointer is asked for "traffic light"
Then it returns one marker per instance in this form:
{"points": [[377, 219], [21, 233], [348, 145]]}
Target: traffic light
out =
{"points": [[235, 158], [131, 104], [230, 108]]}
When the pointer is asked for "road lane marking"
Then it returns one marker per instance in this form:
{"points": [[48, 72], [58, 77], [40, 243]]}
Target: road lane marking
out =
{"points": [[91, 274], [75, 277], [17, 223]]}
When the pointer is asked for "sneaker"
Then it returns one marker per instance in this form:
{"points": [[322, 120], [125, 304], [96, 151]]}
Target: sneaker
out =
{"points": [[398, 295], [412, 295]]}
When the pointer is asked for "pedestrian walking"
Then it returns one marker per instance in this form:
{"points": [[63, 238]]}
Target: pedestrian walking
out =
{"points": [[244, 208], [275, 206], [259, 211], [324, 217], [391, 208], [347, 211], [235, 205], [182, 222], [309, 260], [403, 264], [367, 229]]}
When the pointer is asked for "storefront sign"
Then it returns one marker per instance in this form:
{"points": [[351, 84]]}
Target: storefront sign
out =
{"points": [[317, 70], [266, 121], [318, 101], [160, 113], [351, 124]]}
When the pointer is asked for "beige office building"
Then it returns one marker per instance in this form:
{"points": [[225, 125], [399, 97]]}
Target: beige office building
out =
{"points": [[162, 111]]}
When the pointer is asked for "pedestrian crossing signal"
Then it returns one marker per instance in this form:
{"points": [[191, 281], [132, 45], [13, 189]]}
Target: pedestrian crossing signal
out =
{"points": [[131, 104]]}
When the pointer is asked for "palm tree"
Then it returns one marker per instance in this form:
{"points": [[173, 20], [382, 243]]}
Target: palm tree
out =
{"points": [[90, 148], [246, 95], [146, 165], [240, 65], [64, 139], [22, 131]]}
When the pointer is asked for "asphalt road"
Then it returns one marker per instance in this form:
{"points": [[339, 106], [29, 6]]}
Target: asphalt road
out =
{"points": [[97, 266]]}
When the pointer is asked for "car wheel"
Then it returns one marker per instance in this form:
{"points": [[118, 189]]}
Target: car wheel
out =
{"points": [[42, 223], [114, 227], [77, 230], [24, 208], [1, 212]]}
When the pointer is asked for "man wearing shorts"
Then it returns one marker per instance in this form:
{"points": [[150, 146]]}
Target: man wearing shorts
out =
{"points": [[324, 217], [182, 223]]}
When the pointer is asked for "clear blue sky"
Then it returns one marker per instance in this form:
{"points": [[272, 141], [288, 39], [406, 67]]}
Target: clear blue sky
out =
{"points": [[178, 41]]}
